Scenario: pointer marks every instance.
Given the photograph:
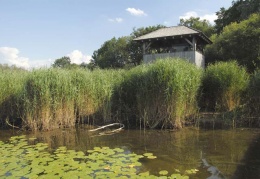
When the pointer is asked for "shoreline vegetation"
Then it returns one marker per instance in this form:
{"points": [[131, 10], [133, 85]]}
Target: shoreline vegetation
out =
{"points": [[169, 93]]}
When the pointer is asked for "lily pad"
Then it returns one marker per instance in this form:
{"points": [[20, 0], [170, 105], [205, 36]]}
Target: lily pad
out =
{"points": [[22, 160], [163, 172], [151, 157], [191, 171], [148, 154]]}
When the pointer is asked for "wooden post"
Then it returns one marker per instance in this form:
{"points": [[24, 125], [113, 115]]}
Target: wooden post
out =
{"points": [[194, 42], [144, 51]]}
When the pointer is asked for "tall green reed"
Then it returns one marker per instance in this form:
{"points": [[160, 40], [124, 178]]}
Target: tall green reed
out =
{"points": [[253, 98], [46, 99], [60, 98], [161, 94], [224, 83], [11, 87]]}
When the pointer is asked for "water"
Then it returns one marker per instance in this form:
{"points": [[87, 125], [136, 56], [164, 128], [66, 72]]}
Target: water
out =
{"points": [[228, 153]]}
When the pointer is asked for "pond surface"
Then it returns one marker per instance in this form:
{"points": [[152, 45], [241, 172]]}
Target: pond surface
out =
{"points": [[214, 153]]}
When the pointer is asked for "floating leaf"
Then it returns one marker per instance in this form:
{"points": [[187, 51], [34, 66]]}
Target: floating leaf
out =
{"points": [[151, 157], [148, 154], [191, 171], [80, 153], [118, 150], [177, 170], [144, 174], [163, 172], [179, 176]]}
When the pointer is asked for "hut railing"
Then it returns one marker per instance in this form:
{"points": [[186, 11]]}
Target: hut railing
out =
{"points": [[192, 56]]}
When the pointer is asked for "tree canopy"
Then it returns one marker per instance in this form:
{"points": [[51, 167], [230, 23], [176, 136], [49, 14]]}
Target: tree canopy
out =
{"points": [[62, 62], [113, 53], [239, 41], [65, 62], [240, 10], [121, 52], [201, 25]]}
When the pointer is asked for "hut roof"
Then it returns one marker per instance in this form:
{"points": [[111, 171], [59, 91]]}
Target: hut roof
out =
{"points": [[171, 32]]}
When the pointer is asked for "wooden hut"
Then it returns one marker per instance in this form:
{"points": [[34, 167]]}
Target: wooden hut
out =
{"points": [[177, 41]]}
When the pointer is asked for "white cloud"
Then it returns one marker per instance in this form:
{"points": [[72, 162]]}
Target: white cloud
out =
{"points": [[136, 12], [10, 56], [77, 57], [166, 23], [118, 20], [41, 63], [189, 14], [209, 17]]}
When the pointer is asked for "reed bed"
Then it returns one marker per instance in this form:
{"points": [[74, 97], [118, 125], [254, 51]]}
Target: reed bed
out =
{"points": [[11, 88], [61, 98], [253, 98], [224, 83], [161, 94], [46, 99]]}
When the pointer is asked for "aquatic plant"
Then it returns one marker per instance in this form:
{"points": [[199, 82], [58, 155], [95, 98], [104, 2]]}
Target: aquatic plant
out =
{"points": [[157, 95], [223, 86], [253, 97], [11, 87], [55, 98], [21, 160], [161, 94]]}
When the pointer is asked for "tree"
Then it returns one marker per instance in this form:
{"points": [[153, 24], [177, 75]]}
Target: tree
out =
{"points": [[63, 62], [121, 52], [238, 41], [240, 10], [201, 25], [112, 54]]}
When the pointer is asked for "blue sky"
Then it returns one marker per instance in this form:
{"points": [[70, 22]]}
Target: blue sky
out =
{"points": [[33, 33]]}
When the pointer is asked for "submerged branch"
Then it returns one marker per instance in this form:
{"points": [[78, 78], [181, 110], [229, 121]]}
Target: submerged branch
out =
{"points": [[109, 132], [8, 123], [109, 125]]}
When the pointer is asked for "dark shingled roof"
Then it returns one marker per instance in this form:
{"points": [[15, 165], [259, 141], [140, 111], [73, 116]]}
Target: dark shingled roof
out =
{"points": [[172, 31]]}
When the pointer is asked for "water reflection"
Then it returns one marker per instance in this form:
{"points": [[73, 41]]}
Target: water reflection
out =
{"points": [[235, 153], [250, 163]]}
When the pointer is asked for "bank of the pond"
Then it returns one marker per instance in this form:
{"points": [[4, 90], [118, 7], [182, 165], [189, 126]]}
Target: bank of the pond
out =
{"points": [[166, 94]]}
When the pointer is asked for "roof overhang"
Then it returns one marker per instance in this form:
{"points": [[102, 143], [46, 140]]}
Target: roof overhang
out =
{"points": [[149, 37]]}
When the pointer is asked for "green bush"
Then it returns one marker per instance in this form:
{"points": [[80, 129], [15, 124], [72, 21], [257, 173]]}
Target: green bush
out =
{"points": [[223, 86]]}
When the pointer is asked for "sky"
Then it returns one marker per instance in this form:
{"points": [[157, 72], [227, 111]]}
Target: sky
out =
{"points": [[34, 33]]}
